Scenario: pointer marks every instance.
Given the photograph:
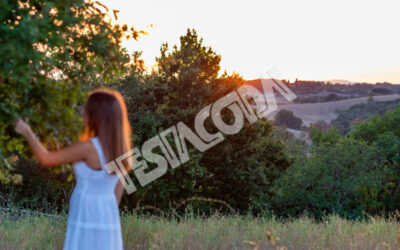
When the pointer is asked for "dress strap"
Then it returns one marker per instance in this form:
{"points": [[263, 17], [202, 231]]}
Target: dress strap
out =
{"points": [[99, 149]]}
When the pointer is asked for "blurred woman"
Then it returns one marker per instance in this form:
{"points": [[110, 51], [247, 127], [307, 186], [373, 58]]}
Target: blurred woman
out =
{"points": [[93, 214]]}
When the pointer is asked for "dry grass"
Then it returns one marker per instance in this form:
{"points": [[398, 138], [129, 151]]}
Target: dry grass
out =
{"points": [[312, 112], [215, 232]]}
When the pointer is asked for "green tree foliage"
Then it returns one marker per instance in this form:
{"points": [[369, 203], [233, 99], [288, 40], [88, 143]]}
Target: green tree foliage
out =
{"points": [[51, 53], [383, 133], [190, 73], [41, 189], [260, 168], [288, 119], [318, 137], [343, 178], [239, 170], [242, 169], [377, 127], [296, 148], [347, 118], [349, 175], [322, 125]]}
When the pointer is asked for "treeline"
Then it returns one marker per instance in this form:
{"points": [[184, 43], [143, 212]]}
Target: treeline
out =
{"points": [[320, 91], [361, 112], [349, 175], [262, 169], [315, 87], [239, 171]]}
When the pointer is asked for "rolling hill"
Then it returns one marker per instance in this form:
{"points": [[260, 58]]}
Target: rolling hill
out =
{"points": [[312, 112]]}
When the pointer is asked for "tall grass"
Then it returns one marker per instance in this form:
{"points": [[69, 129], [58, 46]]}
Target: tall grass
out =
{"points": [[215, 232]]}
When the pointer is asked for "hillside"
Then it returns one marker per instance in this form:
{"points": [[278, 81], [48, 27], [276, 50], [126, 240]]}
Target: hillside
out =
{"points": [[326, 91], [312, 112], [361, 112]]}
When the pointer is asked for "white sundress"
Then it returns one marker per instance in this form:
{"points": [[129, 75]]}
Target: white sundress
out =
{"points": [[93, 214]]}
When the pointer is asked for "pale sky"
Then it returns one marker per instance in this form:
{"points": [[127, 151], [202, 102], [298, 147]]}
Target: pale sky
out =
{"points": [[356, 40]]}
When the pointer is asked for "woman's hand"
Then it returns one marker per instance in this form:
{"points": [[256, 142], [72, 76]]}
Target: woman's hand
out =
{"points": [[22, 127]]}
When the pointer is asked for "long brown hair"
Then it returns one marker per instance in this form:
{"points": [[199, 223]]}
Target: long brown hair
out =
{"points": [[107, 118]]}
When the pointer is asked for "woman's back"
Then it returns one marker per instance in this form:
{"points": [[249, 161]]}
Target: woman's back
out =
{"points": [[92, 181], [93, 216]]}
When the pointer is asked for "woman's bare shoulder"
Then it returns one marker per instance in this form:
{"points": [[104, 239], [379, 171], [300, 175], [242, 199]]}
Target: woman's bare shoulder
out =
{"points": [[81, 148], [86, 146]]}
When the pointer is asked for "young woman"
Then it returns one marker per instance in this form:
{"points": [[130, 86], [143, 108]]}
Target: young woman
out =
{"points": [[93, 215]]}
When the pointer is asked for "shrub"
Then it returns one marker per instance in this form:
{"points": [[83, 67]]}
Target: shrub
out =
{"points": [[288, 119]]}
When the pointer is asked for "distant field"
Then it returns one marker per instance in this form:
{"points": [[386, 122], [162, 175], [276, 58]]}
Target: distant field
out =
{"points": [[216, 232], [312, 112]]}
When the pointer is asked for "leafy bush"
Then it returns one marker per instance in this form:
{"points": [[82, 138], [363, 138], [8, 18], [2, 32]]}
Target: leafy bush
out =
{"points": [[240, 170], [361, 112], [342, 178], [349, 175], [322, 125], [288, 119], [52, 53], [331, 97]]}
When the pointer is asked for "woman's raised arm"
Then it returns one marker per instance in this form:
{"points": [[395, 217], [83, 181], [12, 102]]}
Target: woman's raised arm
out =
{"points": [[70, 154]]}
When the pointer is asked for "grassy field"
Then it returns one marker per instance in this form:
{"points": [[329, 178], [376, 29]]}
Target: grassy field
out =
{"points": [[215, 232]]}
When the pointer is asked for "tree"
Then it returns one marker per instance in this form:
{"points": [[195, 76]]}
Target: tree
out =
{"points": [[52, 53], [190, 72], [331, 97], [345, 178], [287, 118], [350, 175], [361, 112], [383, 133], [380, 91], [322, 125], [239, 170], [319, 137]]}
